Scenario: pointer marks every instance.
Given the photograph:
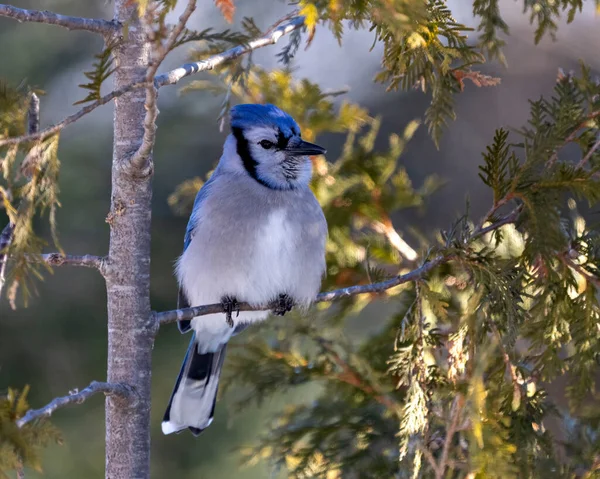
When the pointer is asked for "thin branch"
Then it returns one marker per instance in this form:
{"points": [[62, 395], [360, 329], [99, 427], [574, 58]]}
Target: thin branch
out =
{"points": [[580, 269], [168, 78], [74, 117], [510, 367], [456, 410], [350, 376], [94, 25], [89, 261], [173, 76], [589, 154], [512, 217], [395, 239], [571, 138], [76, 397], [139, 160], [167, 317]]}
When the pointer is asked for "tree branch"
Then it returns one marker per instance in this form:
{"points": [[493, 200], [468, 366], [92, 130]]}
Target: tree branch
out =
{"points": [[72, 118], [76, 397], [589, 154], [452, 428], [139, 161], [167, 317], [168, 78], [94, 25], [89, 261], [350, 376], [173, 76]]}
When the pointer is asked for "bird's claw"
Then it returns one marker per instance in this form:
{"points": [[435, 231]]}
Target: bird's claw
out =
{"points": [[229, 306], [284, 305]]}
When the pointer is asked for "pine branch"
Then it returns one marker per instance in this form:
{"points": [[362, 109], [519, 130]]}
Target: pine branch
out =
{"points": [[76, 397], [94, 25], [139, 161], [72, 118], [174, 76]]}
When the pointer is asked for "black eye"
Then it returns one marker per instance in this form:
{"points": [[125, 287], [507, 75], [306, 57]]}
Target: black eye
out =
{"points": [[266, 144]]}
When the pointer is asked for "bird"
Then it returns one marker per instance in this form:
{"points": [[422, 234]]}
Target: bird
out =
{"points": [[256, 234]]}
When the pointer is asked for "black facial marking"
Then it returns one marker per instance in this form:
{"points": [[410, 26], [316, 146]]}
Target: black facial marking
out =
{"points": [[243, 150], [282, 140]]}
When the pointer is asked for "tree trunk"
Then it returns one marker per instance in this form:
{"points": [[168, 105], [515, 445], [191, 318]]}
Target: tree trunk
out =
{"points": [[130, 329]]}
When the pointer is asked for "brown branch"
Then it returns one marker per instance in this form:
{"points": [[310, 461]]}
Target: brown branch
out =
{"points": [[168, 78], [89, 261], [510, 367], [456, 410], [94, 25], [76, 397], [270, 38], [589, 154], [350, 376], [580, 269], [72, 118], [167, 317], [139, 161], [573, 136]]}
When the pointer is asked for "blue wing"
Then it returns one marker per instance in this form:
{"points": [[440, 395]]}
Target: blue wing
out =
{"points": [[182, 301]]}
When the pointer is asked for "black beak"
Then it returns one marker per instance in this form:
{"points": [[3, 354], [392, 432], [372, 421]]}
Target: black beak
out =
{"points": [[304, 148]]}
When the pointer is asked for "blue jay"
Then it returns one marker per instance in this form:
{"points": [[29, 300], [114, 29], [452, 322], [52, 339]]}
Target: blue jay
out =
{"points": [[256, 234]]}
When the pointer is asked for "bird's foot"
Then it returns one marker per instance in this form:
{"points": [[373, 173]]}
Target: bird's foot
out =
{"points": [[229, 306], [284, 304]]}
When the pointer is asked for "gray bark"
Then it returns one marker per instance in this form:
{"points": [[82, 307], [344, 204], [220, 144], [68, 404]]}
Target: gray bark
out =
{"points": [[130, 323]]}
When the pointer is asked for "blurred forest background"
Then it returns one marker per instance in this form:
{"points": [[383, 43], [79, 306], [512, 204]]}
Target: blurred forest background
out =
{"points": [[59, 341]]}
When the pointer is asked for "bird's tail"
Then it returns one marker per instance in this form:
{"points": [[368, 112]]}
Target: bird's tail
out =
{"points": [[192, 403]]}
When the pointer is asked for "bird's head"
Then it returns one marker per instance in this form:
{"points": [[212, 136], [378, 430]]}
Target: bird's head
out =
{"points": [[269, 144]]}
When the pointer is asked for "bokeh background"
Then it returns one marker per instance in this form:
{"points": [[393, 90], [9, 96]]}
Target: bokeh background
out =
{"points": [[59, 342]]}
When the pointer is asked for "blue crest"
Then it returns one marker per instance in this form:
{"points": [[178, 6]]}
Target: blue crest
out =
{"points": [[251, 115]]}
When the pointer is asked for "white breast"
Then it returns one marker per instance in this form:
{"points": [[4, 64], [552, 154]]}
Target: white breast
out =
{"points": [[270, 263]]}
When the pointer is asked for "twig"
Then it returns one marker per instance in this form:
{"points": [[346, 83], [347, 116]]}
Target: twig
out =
{"points": [[510, 367], [72, 118], [456, 410], [76, 397], [430, 459], [167, 317], [572, 136], [512, 217], [395, 239], [94, 25], [589, 154], [580, 269], [139, 161], [352, 377], [89, 261], [173, 76], [6, 237]]}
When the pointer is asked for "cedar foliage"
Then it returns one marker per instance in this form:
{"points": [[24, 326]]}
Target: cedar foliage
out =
{"points": [[454, 383]]}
